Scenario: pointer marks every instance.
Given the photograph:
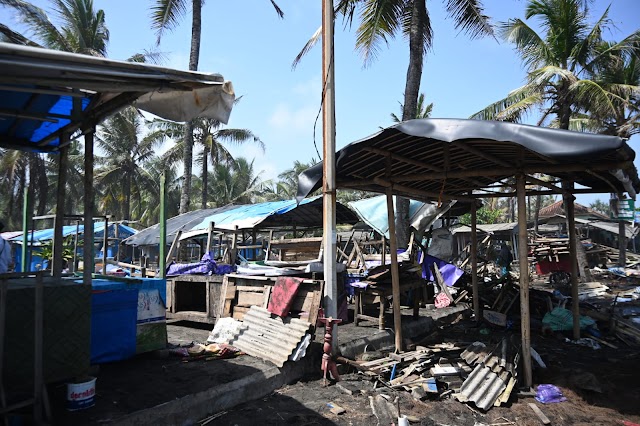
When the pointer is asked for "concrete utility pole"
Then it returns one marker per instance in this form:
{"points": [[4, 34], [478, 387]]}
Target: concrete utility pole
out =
{"points": [[329, 165]]}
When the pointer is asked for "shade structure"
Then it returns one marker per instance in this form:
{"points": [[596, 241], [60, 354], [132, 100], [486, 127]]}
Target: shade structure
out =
{"points": [[451, 158], [269, 215], [44, 93]]}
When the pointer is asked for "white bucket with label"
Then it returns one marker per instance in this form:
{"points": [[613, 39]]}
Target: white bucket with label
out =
{"points": [[81, 395]]}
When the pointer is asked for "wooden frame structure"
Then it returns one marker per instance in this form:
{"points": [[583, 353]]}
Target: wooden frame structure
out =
{"points": [[451, 159]]}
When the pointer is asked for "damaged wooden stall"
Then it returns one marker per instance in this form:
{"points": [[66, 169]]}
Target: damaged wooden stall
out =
{"points": [[255, 239], [47, 97], [455, 159]]}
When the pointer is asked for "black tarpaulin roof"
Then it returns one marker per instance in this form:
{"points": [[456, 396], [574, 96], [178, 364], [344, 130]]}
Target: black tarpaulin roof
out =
{"points": [[430, 158]]}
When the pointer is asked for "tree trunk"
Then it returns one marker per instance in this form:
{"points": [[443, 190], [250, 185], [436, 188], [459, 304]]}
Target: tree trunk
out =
{"points": [[205, 177], [194, 56], [410, 105], [126, 211]]}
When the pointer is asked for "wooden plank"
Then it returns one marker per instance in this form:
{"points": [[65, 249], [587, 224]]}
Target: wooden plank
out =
{"points": [[250, 298], [544, 419], [302, 301], [266, 296]]}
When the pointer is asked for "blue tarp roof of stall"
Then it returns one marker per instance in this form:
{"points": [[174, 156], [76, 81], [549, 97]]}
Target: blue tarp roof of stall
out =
{"points": [[98, 231]]}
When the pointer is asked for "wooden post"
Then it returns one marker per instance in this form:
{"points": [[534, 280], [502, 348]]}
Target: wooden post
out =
{"points": [[254, 240], [232, 256], [162, 257], [525, 325], [383, 254], [173, 245], [210, 236], [105, 245], [26, 213], [87, 247], [58, 222], [622, 240], [395, 275], [569, 206], [38, 379], [473, 251]]}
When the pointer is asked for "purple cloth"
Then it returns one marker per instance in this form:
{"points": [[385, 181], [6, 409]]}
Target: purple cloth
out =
{"points": [[450, 273], [206, 266], [548, 394]]}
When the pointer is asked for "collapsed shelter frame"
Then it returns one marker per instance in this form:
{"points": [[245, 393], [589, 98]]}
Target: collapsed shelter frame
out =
{"points": [[465, 160]]}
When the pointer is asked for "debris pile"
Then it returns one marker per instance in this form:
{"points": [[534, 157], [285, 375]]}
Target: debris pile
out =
{"points": [[475, 374]]}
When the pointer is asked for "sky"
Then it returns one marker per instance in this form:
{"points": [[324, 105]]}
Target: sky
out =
{"points": [[246, 42]]}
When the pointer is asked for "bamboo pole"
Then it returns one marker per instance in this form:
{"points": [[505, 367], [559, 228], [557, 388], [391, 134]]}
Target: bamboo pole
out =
{"points": [[395, 275], [525, 325], [25, 230], [573, 254], [473, 251]]}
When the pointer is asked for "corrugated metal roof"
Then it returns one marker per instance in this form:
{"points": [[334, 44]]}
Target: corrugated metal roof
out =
{"points": [[269, 338], [98, 231], [557, 208]]}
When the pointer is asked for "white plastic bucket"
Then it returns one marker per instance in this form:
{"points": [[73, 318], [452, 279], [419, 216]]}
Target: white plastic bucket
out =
{"points": [[81, 395]]}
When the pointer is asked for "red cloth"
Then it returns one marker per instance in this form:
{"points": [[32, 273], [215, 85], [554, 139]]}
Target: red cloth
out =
{"points": [[282, 296]]}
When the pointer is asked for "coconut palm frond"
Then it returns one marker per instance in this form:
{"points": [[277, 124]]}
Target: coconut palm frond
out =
{"points": [[469, 17], [165, 15], [317, 36], [380, 19]]}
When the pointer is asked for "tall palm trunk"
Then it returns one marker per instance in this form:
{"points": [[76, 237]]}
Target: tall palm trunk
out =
{"points": [[126, 210], [196, 32], [205, 177], [410, 105]]}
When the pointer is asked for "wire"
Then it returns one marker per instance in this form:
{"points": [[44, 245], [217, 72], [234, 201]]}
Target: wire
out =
{"points": [[324, 91]]}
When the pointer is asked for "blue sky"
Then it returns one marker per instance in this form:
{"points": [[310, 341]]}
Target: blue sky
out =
{"points": [[247, 43]]}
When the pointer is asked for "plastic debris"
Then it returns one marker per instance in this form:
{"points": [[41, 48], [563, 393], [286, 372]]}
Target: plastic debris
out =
{"points": [[549, 394], [585, 341]]}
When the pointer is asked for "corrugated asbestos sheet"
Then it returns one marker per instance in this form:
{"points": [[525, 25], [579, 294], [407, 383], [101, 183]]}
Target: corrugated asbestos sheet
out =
{"points": [[269, 338], [492, 379]]}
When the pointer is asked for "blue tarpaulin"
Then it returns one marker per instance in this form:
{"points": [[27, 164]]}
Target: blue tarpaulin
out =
{"points": [[37, 237]]}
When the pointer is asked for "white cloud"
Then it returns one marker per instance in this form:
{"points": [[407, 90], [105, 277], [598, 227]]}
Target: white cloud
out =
{"points": [[286, 117], [310, 87]]}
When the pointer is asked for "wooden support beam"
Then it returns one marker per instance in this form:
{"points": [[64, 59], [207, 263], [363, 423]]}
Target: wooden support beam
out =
{"points": [[525, 326], [87, 248], [474, 262], [411, 191], [508, 171], [475, 151], [58, 223], [569, 207], [395, 275], [173, 246], [105, 245]]}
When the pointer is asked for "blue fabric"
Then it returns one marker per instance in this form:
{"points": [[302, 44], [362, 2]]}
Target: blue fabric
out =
{"points": [[206, 266], [252, 213], [113, 325], [373, 211], [98, 231], [450, 273]]}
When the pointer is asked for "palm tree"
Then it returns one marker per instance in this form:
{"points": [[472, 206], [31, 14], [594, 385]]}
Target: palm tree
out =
{"points": [[422, 110], [81, 29], [207, 134], [381, 20], [165, 16], [560, 63], [240, 185], [121, 173]]}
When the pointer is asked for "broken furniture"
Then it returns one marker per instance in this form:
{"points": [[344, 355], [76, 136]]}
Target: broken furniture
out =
{"points": [[240, 292], [370, 292], [194, 297]]}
